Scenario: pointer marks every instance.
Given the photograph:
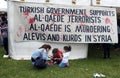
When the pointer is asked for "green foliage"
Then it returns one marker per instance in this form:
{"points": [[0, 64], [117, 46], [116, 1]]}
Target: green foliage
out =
{"points": [[82, 68]]}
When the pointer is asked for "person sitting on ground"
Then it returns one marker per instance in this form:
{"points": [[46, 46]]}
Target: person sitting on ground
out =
{"points": [[57, 56], [41, 53], [65, 60]]}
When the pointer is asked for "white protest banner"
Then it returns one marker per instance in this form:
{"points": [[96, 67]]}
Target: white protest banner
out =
{"points": [[64, 23]]}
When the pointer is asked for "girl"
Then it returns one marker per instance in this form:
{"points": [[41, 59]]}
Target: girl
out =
{"points": [[66, 53], [57, 56]]}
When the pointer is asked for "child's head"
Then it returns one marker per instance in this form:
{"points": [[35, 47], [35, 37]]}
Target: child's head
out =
{"points": [[67, 48], [54, 50]]}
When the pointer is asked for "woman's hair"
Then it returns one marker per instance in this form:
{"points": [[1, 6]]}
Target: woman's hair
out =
{"points": [[54, 50], [45, 46], [67, 48]]}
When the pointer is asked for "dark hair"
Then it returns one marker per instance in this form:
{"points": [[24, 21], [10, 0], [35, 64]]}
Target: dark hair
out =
{"points": [[54, 50], [3, 17], [67, 48], [45, 46]]}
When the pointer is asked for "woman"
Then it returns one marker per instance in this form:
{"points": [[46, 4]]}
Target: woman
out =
{"points": [[41, 53]]}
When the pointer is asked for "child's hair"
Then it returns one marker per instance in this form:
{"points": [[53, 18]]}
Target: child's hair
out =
{"points": [[67, 48], [46, 46], [54, 50]]}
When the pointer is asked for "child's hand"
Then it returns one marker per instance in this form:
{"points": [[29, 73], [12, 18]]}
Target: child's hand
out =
{"points": [[50, 56], [49, 63], [55, 58]]}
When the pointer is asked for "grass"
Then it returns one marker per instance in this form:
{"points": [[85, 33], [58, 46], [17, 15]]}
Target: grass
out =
{"points": [[82, 68]]}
